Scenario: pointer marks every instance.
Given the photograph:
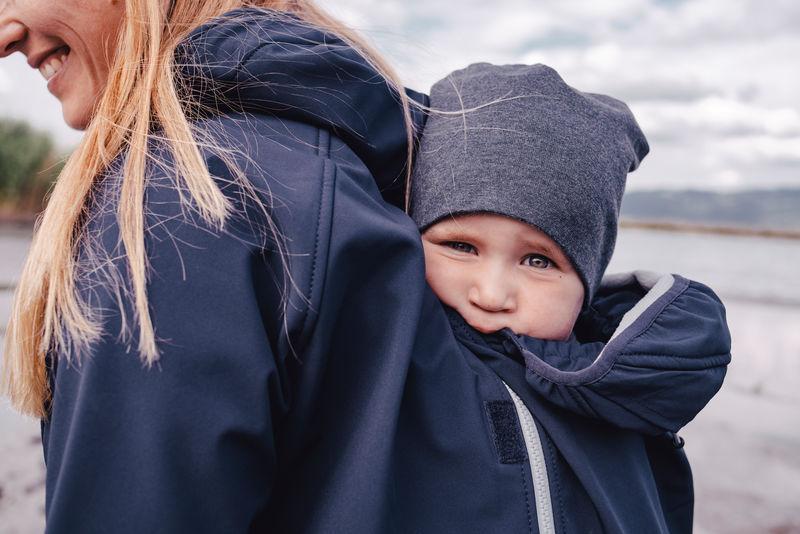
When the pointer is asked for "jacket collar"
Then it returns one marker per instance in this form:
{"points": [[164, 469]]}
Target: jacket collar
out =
{"points": [[649, 358]]}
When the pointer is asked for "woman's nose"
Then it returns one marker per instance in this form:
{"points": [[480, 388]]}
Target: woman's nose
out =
{"points": [[492, 295], [12, 35]]}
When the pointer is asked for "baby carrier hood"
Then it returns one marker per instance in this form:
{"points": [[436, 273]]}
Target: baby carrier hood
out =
{"points": [[648, 357], [262, 61]]}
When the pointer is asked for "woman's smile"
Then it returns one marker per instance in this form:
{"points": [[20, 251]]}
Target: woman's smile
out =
{"points": [[53, 66], [74, 38]]}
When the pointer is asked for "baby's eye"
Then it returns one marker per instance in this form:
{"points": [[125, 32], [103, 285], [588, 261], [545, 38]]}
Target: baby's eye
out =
{"points": [[460, 246], [538, 261]]}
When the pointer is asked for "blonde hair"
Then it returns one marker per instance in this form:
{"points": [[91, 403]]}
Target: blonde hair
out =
{"points": [[48, 312]]}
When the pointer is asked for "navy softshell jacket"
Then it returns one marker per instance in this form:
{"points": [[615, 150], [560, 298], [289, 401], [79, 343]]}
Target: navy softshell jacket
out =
{"points": [[335, 393]]}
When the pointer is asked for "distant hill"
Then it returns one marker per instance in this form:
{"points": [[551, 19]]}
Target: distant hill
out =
{"points": [[774, 209]]}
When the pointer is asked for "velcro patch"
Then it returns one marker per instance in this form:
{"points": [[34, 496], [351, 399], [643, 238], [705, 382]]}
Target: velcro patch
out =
{"points": [[505, 431]]}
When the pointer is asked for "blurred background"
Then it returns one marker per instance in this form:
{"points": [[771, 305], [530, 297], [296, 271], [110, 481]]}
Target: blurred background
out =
{"points": [[714, 85]]}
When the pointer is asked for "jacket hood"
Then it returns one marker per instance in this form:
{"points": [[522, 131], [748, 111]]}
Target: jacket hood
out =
{"points": [[262, 61], [648, 357]]}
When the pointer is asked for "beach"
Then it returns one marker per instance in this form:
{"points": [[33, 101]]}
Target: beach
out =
{"points": [[21, 460], [744, 447]]}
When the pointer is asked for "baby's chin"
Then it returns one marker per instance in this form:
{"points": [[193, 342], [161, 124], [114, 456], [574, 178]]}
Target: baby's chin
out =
{"points": [[483, 329], [491, 327]]}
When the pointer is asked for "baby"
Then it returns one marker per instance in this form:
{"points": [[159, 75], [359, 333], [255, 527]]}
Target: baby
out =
{"points": [[517, 190]]}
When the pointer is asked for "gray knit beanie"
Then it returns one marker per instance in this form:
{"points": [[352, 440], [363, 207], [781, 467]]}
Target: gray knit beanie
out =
{"points": [[534, 149]]}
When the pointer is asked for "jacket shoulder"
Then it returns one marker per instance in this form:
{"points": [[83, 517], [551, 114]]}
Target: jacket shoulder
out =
{"points": [[300, 199]]}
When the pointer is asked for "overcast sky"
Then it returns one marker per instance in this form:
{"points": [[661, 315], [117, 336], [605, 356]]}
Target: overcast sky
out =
{"points": [[714, 83]]}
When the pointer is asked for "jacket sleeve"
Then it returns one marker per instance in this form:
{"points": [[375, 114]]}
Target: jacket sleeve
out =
{"points": [[664, 363]]}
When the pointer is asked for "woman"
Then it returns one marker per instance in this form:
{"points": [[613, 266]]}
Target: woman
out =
{"points": [[214, 342]]}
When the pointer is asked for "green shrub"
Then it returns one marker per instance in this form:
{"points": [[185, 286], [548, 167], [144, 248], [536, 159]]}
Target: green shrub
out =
{"points": [[28, 166]]}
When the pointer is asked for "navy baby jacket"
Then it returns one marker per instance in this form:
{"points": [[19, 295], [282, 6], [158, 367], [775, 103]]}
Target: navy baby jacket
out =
{"points": [[342, 397]]}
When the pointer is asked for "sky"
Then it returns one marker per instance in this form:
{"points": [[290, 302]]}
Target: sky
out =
{"points": [[714, 83]]}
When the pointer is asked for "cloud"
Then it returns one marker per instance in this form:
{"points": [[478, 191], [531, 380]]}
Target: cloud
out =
{"points": [[718, 21], [720, 117], [662, 90], [712, 82], [762, 150]]}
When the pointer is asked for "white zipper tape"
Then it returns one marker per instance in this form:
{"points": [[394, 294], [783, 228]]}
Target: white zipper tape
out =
{"points": [[541, 483]]}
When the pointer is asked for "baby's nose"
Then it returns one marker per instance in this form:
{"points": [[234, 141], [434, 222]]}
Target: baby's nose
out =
{"points": [[492, 296], [12, 35]]}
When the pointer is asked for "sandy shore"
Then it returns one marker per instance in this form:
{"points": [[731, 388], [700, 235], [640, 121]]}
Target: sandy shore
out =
{"points": [[21, 474]]}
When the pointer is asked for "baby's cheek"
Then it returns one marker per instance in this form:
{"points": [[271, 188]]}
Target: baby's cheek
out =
{"points": [[444, 291], [437, 279], [564, 320], [558, 328], [548, 315]]}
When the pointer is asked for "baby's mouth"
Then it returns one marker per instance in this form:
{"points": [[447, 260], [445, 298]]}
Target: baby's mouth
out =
{"points": [[54, 62], [484, 327]]}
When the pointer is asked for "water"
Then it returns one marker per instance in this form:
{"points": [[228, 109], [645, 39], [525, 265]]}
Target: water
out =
{"points": [[740, 268], [759, 282], [744, 447]]}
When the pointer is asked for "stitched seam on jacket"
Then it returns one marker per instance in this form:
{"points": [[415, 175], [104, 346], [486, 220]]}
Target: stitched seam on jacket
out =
{"points": [[659, 355], [312, 278], [557, 484], [527, 497], [307, 313]]}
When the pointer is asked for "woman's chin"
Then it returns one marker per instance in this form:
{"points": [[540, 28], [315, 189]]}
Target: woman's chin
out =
{"points": [[77, 119]]}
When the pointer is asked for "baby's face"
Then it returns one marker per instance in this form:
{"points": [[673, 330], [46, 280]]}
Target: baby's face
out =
{"points": [[498, 273]]}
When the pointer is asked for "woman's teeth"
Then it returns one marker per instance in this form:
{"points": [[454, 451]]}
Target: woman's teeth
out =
{"points": [[52, 65]]}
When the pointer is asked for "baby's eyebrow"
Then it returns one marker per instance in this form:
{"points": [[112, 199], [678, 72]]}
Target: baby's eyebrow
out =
{"points": [[462, 236], [542, 247], [455, 234]]}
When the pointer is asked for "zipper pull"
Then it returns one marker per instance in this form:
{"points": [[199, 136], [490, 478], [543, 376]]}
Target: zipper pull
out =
{"points": [[677, 441]]}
